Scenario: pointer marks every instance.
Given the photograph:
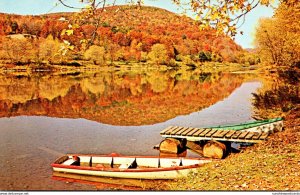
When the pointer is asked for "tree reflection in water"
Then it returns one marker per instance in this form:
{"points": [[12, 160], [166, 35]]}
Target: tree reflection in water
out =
{"points": [[280, 96], [117, 98]]}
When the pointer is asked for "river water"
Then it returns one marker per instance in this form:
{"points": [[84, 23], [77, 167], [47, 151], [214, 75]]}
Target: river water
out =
{"points": [[46, 116]]}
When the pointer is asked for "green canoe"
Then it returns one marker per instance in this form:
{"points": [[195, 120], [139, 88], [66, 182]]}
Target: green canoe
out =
{"points": [[259, 125]]}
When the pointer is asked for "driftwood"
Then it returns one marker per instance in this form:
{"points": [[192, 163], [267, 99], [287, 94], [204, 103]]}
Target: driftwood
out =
{"points": [[171, 145], [214, 149]]}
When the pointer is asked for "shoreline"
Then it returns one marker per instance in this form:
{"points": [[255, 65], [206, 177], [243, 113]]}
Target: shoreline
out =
{"points": [[123, 66], [270, 165]]}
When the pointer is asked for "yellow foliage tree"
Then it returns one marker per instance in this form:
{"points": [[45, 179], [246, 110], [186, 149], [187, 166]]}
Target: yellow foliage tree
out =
{"points": [[49, 49], [278, 38], [158, 54], [96, 54]]}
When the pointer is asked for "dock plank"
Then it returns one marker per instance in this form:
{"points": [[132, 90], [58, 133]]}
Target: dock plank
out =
{"points": [[187, 131], [192, 132], [221, 133], [250, 135], [225, 132], [256, 135], [202, 134], [171, 130], [264, 135], [176, 130], [209, 134], [182, 130], [166, 129], [197, 133], [217, 134], [243, 135], [236, 135], [230, 133]]}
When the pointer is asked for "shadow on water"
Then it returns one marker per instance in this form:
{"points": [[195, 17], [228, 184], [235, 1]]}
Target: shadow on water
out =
{"points": [[46, 116], [102, 183]]}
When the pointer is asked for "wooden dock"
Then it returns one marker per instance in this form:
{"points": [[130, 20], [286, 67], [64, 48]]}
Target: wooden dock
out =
{"points": [[197, 134]]}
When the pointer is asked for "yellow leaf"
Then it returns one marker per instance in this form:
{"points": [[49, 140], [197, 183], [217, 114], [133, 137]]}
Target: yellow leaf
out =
{"points": [[66, 42], [63, 32], [215, 16], [236, 7], [83, 41], [71, 47], [69, 32], [75, 26]]}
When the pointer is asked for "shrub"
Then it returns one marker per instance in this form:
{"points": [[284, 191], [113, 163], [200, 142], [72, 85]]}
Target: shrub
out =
{"points": [[204, 56], [158, 54], [96, 54], [49, 49], [17, 50]]}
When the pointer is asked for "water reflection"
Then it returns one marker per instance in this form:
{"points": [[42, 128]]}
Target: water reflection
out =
{"points": [[54, 110], [104, 183], [118, 98], [280, 95]]}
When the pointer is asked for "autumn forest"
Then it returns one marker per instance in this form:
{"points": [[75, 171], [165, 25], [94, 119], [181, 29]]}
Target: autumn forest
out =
{"points": [[147, 34], [133, 33]]}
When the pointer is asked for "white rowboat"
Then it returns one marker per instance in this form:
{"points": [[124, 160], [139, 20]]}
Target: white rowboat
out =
{"points": [[134, 167]]}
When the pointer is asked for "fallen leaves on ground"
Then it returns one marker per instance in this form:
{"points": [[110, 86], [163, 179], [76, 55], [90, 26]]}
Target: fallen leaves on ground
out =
{"points": [[271, 165]]}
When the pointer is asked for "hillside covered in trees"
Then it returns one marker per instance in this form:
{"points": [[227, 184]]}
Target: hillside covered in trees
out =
{"points": [[118, 33]]}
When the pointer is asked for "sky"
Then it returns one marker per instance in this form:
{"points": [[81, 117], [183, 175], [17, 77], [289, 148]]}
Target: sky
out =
{"points": [[36, 7]]}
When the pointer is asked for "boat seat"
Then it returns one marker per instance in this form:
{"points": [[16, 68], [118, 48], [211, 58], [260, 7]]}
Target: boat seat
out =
{"points": [[68, 162], [124, 166], [129, 165]]}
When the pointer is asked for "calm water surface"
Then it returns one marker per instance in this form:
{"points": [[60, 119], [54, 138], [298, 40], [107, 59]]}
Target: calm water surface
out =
{"points": [[45, 116]]}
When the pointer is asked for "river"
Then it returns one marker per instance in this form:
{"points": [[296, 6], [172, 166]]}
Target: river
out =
{"points": [[46, 116]]}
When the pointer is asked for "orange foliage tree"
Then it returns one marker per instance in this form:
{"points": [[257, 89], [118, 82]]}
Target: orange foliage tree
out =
{"points": [[220, 14]]}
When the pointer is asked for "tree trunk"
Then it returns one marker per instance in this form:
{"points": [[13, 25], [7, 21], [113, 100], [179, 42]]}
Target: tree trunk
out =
{"points": [[214, 149]]}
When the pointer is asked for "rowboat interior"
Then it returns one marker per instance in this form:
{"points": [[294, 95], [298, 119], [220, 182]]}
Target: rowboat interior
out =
{"points": [[119, 162]]}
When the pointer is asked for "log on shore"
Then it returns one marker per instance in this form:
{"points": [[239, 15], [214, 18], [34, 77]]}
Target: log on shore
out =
{"points": [[195, 147], [171, 145], [214, 149]]}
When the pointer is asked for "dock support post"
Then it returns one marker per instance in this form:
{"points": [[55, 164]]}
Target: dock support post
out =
{"points": [[172, 145], [215, 149]]}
